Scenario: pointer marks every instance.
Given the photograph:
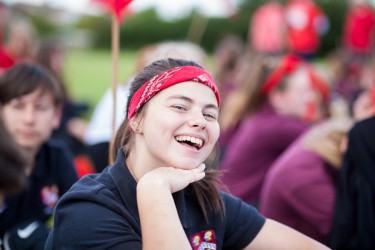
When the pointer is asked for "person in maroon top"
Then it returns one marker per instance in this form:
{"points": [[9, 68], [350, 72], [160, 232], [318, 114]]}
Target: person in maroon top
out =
{"points": [[275, 111], [299, 189]]}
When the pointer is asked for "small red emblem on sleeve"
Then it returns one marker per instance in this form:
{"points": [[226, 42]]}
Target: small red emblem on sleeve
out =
{"points": [[204, 240]]}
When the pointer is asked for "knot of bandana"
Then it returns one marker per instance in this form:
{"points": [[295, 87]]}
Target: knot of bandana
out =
{"points": [[168, 78]]}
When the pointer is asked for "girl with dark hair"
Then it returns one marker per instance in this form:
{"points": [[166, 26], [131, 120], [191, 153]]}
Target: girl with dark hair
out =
{"points": [[159, 194]]}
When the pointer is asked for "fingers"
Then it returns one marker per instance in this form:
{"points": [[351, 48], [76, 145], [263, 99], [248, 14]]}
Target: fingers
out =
{"points": [[198, 173]]}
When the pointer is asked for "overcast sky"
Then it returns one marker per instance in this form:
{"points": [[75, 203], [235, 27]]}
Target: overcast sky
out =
{"points": [[168, 9]]}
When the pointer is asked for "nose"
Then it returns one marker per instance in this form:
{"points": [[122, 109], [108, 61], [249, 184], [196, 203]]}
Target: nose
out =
{"points": [[29, 115], [197, 119]]}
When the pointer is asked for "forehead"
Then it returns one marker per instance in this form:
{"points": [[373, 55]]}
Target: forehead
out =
{"points": [[36, 95], [193, 90], [299, 79]]}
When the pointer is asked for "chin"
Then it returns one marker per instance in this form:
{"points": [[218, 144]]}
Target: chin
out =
{"points": [[187, 165]]}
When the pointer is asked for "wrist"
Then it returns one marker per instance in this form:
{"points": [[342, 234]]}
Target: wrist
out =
{"points": [[152, 182]]}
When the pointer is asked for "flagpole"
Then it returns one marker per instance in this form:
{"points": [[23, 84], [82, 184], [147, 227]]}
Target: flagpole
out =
{"points": [[115, 55], [197, 28]]}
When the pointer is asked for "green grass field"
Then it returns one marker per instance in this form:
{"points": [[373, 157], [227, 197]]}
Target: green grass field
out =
{"points": [[88, 73]]}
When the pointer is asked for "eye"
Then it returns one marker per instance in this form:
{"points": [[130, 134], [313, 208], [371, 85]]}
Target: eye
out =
{"points": [[179, 107], [210, 116], [41, 107], [17, 105]]}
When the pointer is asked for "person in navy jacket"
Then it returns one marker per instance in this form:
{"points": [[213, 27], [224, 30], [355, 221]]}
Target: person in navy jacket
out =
{"points": [[159, 194], [31, 108]]}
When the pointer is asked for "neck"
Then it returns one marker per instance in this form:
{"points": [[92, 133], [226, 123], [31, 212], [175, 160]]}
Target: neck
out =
{"points": [[138, 162], [136, 167]]}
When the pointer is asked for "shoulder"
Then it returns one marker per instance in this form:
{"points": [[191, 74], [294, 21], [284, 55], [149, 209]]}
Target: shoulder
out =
{"points": [[92, 187], [91, 196], [242, 222], [91, 211], [55, 161], [236, 206]]}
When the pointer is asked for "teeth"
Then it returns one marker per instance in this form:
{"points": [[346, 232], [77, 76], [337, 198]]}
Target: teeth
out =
{"points": [[196, 141]]}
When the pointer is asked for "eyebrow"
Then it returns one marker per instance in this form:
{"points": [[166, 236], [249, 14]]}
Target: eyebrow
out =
{"points": [[187, 99]]}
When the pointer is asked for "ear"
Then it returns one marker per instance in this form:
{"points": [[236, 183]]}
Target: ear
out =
{"points": [[135, 124], [57, 117]]}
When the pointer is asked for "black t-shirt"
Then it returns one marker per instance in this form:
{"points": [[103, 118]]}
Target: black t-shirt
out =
{"points": [[100, 212], [52, 176]]}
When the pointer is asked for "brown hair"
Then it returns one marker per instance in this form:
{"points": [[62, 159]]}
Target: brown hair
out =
{"points": [[25, 78], [13, 160], [206, 191], [247, 98]]}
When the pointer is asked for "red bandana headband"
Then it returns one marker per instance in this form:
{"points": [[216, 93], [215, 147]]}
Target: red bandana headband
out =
{"points": [[168, 78], [289, 64]]}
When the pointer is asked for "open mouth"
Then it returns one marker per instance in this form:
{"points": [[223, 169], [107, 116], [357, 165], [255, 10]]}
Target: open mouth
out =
{"points": [[191, 141]]}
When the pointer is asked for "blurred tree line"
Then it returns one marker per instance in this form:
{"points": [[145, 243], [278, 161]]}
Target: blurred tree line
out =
{"points": [[147, 27]]}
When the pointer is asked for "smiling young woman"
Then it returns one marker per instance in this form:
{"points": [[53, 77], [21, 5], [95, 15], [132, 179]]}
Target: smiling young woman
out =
{"points": [[159, 194]]}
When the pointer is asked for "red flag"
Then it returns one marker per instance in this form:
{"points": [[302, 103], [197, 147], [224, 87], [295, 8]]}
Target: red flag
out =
{"points": [[116, 6]]}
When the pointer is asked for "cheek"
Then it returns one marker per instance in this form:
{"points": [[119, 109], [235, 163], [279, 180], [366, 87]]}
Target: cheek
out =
{"points": [[50, 120], [9, 118], [214, 133], [300, 98]]}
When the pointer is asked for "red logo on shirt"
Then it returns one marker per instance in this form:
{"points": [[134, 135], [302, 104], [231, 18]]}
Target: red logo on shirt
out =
{"points": [[50, 195], [204, 240]]}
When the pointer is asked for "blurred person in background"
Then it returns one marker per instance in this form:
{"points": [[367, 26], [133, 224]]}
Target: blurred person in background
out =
{"points": [[300, 186], [277, 102], [353, 223], [359, 30], [4, 14], [306, 23], [227, 53], [351, 84], [51, 55], [71, 130], [267, 29], [19, 44], [31, 102]]}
